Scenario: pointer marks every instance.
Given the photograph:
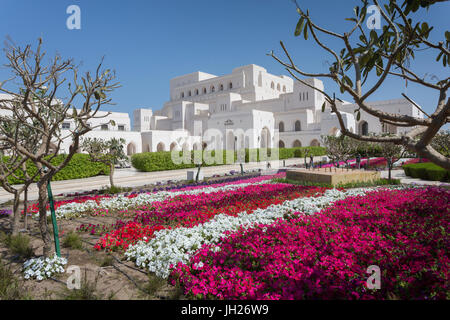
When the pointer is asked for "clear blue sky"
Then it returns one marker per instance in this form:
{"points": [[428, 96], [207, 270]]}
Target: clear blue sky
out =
{"points": [[149, 42]]}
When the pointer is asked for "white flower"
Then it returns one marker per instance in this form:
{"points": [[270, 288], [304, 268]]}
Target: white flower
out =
{"points": [[42, 268]]}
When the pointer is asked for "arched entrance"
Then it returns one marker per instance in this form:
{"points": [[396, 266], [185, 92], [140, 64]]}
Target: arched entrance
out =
{"points": [[265, 138], [160, 147], [173, 146], [363, 128], [315, 143], [230, 141], [131, 149], [297, 144], [281, 144]]}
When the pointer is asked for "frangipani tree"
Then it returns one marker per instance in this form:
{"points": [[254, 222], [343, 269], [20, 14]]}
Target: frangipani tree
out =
{"points": [[340, 149], [41, 95], [389, 53], [13, 167], [109, 152]]}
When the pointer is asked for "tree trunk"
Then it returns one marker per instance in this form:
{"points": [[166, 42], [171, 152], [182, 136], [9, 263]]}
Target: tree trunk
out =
{"points": [[25, 209], [16, 214], [198, 173], [43, 199], [111, 174]]}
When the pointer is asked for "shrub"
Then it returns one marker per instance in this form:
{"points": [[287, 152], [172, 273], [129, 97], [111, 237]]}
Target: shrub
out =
{"points": [[426, 171], [159, 161], [79, 166], [9, 285], [73, 241], [19, 245]]}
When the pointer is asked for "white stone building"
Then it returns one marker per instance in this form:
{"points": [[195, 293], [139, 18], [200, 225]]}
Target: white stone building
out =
{"points": [[248, 108]]}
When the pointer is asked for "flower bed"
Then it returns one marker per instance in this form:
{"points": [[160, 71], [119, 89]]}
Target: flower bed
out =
{"points": [[168, 247], [100, 205], [325, 256], [189, 210]]}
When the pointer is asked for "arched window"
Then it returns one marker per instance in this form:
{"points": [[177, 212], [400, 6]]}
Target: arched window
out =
{"points": [[189, 93], [204, 90], [196, 92], [314, 143], [297, 126], [278, 87], [221, 87], [272, 85], [300, 96], [281, 126], [281, 144], [230, 85], [296, 144], [363, 128], [182, 95], [284, 88], [213, 89]]}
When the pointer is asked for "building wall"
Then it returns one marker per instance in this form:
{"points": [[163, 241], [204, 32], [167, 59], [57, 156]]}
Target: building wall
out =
{"points": [[249, 104]]}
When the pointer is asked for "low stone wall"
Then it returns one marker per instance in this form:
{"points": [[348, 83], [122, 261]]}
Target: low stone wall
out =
{"points": [[335, 177]]}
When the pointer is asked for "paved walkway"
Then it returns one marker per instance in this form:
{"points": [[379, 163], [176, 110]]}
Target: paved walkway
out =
{"points": [[132, 178]]}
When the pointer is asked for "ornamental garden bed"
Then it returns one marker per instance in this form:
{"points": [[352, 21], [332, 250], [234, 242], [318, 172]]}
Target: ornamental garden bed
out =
{"points": [[253, 238]]}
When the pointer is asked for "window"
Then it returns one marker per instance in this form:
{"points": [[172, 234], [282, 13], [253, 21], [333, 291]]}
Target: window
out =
{"points": [[230, 85], [182, 95], [297, 126], [213, 89], [66, 125], [272, 85], [121, 127], [221, 87], [196, 92], [278, 87], [284, 88], [281, 126], [104, 127], [223, 107], [204, 90], [300, 97], [189, 93]]}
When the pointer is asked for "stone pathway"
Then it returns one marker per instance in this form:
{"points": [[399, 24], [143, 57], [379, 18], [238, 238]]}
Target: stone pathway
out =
{"points": [[130, 177]]}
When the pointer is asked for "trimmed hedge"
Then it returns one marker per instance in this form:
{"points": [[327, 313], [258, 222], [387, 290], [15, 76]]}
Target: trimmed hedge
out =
{"points": [[159, 161], [426, 171], [80, 166]]}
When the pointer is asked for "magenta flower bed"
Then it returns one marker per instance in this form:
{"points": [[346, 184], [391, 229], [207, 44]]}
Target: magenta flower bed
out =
{"points": [[326, 256]]}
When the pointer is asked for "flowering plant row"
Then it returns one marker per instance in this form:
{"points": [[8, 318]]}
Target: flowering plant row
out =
{"points": [[325, 256], [100, 205], [168, 247], [193, 209]]}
